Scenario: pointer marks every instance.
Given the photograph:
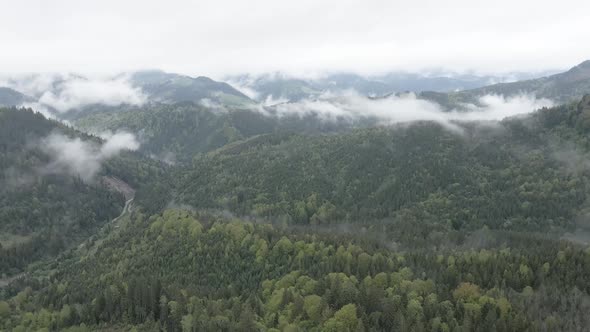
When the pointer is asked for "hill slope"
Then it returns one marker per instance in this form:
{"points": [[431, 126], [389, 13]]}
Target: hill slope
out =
{"points": [[42, 214], [421, 172], [177, 132], [173, 88], [179, 271]]}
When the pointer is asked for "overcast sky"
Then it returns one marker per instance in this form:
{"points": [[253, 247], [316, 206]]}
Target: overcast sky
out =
{"points": [[304, 36]]}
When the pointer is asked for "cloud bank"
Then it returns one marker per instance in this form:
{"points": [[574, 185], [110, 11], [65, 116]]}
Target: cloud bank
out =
{"points": [[79, 92], [33, 85], [83, 158], [408, 108]]}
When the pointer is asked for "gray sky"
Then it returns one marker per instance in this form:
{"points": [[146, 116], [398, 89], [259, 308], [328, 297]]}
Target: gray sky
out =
{"points": [[304, 36]]}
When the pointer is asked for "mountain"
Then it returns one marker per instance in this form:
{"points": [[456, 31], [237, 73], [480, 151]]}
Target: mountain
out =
{"points": [[401, 82], [177, 132], [183, 271], [42, 214], [45, 207], [171, 88], [561, 88], [10, 97], [277, 87], [403, 173]]}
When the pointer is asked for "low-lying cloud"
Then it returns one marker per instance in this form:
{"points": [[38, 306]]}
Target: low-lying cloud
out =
{"points": [[33, 85], [83, 158], [408, 108], [79, 92]]}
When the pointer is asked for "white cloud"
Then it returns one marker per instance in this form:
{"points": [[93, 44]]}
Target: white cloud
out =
{"points": [[114, 143], [33, 85], [79, 92], [244, 86], [497, 107], [208, 103], [83, 158], [407, 108]]}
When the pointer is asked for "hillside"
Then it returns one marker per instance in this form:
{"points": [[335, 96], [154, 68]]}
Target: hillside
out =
{"points": [[421, 172], [42, 214], [177, 132], [184, 271], [44, 208], [173, 88], [399, 227]]}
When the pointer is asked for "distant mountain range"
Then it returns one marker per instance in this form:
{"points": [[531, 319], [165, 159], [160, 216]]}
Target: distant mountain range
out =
{"points": [[156, 86], [279, 87], [561, 88]]}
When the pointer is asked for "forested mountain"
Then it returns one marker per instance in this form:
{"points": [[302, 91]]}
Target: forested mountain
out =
{"points": [[45, 210], [421, 172], [180, 271], [173, 88], [177, 132], [42, 214], [562, 88], [274, 88]]}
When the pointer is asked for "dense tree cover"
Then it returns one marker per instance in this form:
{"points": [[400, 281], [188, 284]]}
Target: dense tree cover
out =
{"points": [[513, 175], [42, 214], [177, 132], [180, 271]]}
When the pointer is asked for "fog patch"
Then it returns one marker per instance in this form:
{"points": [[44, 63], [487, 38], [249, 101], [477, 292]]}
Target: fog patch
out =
{"points": [[33, 85], [211, 104], [15, 178], [80, 92], [497, 107], [244, 86], [407, 108], [83, 158], [573, 159], [169, 158], [271, 100]]}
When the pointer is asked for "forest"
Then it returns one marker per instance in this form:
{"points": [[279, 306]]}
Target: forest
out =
{"points": [[381, 228], [201, 272]]}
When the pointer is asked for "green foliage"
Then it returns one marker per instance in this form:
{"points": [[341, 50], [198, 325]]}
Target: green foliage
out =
{"points": [[184, 271], [508, 177], [49, 212], [178, 132], [410, 229]]}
